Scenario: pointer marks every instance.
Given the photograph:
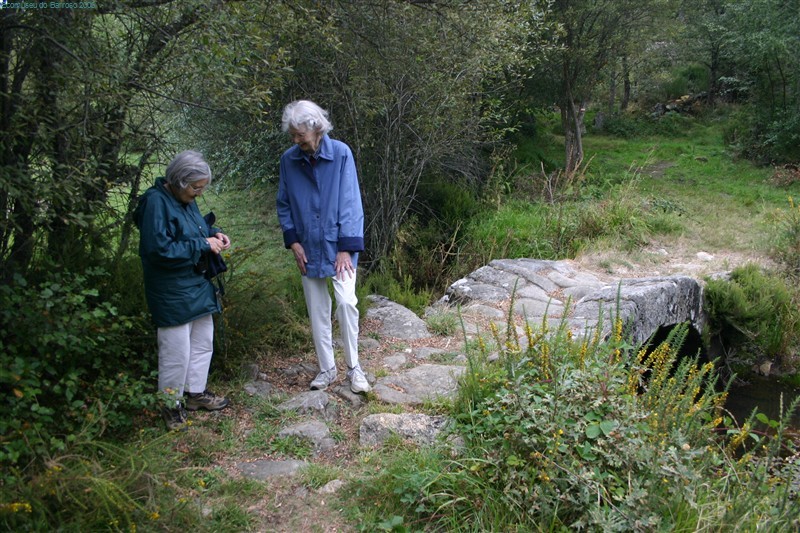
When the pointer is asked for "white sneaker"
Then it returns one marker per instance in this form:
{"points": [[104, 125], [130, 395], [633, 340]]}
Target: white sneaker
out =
{"points": [[324, 379], [358, 381]]}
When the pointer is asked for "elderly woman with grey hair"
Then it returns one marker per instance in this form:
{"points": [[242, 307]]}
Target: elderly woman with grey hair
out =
{"points": [[320, 213], [174, 245]]}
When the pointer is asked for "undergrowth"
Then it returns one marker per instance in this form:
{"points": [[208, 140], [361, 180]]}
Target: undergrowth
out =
{"points": [[573, 432], [755, 316]]}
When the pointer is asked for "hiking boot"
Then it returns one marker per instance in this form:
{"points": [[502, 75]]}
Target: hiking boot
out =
{"points": [[175, 418], [358, 381], [206, 400], [323, 379]]}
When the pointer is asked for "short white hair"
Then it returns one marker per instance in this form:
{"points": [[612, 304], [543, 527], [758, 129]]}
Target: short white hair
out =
{"points": [[305, 114]]}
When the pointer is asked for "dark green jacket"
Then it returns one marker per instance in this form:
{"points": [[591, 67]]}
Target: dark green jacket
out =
{"points": [[172, 240]]}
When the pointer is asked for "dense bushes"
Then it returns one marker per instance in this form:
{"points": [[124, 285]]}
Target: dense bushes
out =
{"points": [[754, 315], [765, 139], [69, 364], [564, 433], [787, 241], [633, 125]]}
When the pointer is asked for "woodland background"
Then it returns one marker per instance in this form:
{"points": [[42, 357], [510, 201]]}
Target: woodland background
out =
{"points": [[453, 109]]}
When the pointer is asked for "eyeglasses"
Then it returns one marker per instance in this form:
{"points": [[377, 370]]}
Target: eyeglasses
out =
{"points": [[198, 190]]}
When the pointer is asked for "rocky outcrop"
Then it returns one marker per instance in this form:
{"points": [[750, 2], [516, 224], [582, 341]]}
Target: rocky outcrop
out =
{"points": [[645, 305], [555, 290], [396, 320]]}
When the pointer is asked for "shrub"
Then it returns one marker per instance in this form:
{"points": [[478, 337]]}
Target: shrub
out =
{"points": [[402, 292], [100, 486], [753, 314], [689, 79], [781, 138], [763, 138], [632, 125], [66, 365], [580, 434], [563, 434], [427, 244], [446, 202], [442, 322], [787, 245], [622, 217]]}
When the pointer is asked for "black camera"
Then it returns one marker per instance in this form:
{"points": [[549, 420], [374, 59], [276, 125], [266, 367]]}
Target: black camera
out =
{"points": [[201, 267]]}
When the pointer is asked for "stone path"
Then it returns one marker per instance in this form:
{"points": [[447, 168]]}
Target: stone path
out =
{"points": [[407, 365]]}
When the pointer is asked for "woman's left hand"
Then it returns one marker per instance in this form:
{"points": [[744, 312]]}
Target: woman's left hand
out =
{"points": [[344, 265], [226, 242]]}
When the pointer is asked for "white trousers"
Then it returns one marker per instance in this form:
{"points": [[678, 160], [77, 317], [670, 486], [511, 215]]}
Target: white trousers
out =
{"points": [[184, 356], [318, 303]]}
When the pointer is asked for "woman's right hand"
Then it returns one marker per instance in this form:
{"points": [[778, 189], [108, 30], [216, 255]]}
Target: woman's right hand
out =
{"points": [[300, 257], [217, 245]]}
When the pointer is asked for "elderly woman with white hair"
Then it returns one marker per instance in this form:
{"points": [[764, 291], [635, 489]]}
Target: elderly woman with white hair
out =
{"points": [[175, 243], [320, 213]]}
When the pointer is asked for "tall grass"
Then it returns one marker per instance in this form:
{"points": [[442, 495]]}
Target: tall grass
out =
{"points": [[581, 433], [99, 486], [263, 310]]}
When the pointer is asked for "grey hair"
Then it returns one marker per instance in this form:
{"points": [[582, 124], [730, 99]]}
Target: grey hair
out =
{"points": [[187, 167], [307, 114]]}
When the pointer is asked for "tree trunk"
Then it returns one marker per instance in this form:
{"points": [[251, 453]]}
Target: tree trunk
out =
{"points": [[133, 198], [612, 90], [713, 74], [784, 83], [626, 84], [572, 122]]}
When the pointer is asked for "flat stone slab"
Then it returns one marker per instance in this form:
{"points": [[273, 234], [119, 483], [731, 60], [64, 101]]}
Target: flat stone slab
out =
{"points": [[305, 402], [646, 304], [393, 362], [419, 428], [425, 352], [265, 469], [483, 311], [418, 384], [313, 431], [258, 388], [396, 320], [526, 307]]}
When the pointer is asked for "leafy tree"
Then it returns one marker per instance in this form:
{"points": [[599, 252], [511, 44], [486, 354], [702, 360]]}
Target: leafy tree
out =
{"points": [[590, 35], [707, 35], [84, 96], [83, 92], [419, 90], [764, 44]]}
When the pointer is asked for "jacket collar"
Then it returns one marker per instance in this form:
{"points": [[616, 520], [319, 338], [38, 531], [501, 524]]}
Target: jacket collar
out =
{"points": [[161, 188], [325, 150]]}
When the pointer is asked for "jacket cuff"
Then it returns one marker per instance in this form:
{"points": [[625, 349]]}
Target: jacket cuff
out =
{"points": [[290, 237], [204, 249], [351, 244]]}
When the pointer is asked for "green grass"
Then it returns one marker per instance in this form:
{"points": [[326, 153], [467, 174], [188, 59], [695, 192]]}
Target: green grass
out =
{"points": [[724, 204], [682, 190], [264, 309]]}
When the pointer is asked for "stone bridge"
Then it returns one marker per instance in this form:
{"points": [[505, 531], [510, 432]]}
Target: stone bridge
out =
{"points": [[586, 301]]}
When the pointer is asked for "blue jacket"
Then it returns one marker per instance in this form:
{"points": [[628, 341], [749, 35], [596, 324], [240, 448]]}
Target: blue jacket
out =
{"points": [[172, 239], [320, 206]]}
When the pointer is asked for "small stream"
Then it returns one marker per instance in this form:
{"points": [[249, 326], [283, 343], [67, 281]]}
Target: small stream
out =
{"points": [[764, 394]]}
